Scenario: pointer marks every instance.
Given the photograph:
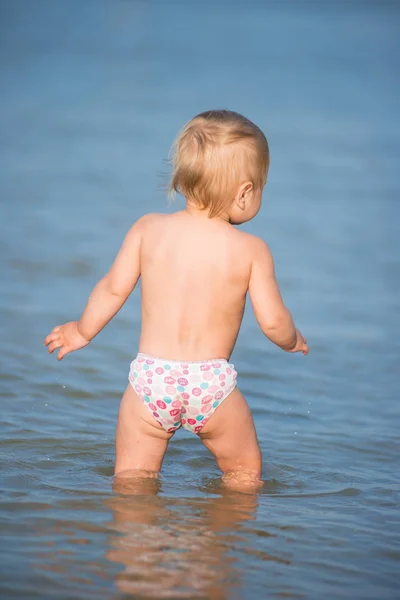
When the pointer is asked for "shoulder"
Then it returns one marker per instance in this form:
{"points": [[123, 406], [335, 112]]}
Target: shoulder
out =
{"points": [[149, 220], [140, 229], [146, 222], [259, 255], [254, 244]]}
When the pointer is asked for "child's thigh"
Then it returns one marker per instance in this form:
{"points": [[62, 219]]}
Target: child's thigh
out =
{"points": [[231, 436], [140, 441]]}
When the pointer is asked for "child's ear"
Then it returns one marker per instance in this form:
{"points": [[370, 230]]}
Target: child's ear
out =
{"points": [[243, 193]]}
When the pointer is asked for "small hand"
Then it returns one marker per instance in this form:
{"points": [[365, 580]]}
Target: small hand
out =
{"points": [[66, 337], [301, 344]]}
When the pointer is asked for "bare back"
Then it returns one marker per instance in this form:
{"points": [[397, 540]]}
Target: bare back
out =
{"points": [[195, 275]]}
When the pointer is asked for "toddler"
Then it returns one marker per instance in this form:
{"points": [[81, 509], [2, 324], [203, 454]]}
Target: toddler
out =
{"points": [[196, 270]]}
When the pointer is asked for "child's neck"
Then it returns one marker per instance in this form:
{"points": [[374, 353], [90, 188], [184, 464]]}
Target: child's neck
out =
{"points": [[203, 213]]}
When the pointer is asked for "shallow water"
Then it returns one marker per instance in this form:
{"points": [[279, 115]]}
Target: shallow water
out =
{"points": [[93, 93]]}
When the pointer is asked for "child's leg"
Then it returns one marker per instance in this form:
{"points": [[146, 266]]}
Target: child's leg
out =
{"points": [[140, 441], [231, 436]]}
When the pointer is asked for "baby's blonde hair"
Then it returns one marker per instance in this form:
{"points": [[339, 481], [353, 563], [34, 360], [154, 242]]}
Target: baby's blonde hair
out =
{"points": [[213, 154]]}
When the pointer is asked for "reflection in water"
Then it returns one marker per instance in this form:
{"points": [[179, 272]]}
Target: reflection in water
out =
{"points": [[156, 546], [177, 548]]}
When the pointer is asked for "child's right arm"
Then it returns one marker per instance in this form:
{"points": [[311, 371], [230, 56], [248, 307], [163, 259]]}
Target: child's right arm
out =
{"points": [[106, 299], [272, 315]]}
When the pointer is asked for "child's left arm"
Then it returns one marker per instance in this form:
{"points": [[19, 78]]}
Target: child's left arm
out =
{"points": [[105, 301]]}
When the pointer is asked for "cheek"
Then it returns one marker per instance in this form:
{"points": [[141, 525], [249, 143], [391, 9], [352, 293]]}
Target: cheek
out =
{"points": [[236, 216], [255, 207], [256, 210], [236, 221]]}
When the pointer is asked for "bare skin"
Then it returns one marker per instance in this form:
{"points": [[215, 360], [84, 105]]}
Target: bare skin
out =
{"points": [[196, 272]]}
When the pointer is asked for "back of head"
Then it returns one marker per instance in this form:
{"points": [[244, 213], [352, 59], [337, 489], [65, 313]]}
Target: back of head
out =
{"points": [[214, 154]]}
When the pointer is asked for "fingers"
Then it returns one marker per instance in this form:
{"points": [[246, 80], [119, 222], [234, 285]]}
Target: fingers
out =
{"points": [[304, 349], [53, 335], [55, 340], [63, 352], [54, 345]]}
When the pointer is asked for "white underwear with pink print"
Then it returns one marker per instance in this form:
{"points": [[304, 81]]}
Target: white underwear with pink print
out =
{"points": [[181, 393]]}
